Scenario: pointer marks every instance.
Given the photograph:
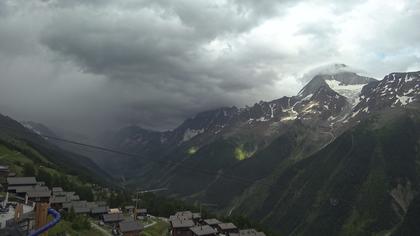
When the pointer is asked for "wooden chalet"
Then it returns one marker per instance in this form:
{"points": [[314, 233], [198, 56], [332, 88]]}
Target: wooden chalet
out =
{"points": [[203, 230], [227, 228], [181, 227], [130, 228]]}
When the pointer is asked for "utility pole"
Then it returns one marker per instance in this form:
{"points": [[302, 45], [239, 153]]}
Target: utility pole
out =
{"points": [[141, 192]]}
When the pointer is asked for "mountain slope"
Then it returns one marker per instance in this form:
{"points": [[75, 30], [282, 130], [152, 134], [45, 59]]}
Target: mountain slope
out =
{"points": [[299, 164], [16, 136], [362, 182]]}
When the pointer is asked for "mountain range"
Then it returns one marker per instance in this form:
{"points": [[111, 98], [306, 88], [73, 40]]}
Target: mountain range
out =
{"points": [[342, 157]]}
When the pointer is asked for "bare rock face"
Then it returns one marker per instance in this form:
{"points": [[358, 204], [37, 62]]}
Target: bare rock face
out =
{"points": [[402, 195]]}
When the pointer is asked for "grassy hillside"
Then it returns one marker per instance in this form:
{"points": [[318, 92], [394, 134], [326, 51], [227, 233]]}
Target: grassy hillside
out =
{"points": [[42, 152], [26, 161]]}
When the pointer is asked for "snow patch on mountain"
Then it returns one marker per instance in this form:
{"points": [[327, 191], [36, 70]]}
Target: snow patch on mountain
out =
{"points": [[291, 115], [351, 91], [191, 133], [404, 100], [30, 127]]}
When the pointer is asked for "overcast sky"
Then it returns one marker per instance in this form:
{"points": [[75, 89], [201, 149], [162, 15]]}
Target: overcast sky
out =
{"points": [[99, 64]]}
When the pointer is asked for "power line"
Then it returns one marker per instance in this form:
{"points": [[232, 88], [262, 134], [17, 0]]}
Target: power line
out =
{"points": [[106, 149]]}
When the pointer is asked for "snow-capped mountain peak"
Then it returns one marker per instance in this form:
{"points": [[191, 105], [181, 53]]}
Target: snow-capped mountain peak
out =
{"points": [[339, 78], [396, 89]]}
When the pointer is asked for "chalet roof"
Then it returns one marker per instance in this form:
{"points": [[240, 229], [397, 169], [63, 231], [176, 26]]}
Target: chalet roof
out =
{"points": [[57, 189], [101, 203], [61, 194], [28, 188], [57, 199], [33, 194], [66, 197], [182, 223], [212, 221], [203, 230], [21, 181], [113, 217], [80, 210], [227, 226], [100, 210], [75, 204], [91, 205], [184, 215], [130, 226]]}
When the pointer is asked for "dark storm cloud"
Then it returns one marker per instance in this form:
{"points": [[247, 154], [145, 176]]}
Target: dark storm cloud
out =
{"points": [[92, 65], [159, 42]]}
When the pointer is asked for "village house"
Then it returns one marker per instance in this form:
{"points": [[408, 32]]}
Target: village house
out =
{"points": [[39, 196], [227, 228], [82, 210], [57, 189], [184, 215], [73, 204], [98, 211], [181, 227], [130, 228], [28, 189], [57, 202], [112, 219], [212, 222], [101, 203], [16, 182], [203, 230]]}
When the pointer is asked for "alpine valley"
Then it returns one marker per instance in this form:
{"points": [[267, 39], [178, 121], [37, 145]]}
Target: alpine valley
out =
{"points": [[342, 157]]}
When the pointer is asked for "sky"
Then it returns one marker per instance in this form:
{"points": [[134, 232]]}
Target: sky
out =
{"points": [[90, 66]]}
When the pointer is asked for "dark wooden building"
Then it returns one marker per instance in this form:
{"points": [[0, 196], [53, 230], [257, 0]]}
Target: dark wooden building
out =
{"points": [[203, 230], [130, 228], [212, 222], [181, 227], [39, 196], [112, 218], [227, 228]]}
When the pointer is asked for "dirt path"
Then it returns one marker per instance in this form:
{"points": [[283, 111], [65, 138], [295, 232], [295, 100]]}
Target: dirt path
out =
{"points": [[150, 225]]}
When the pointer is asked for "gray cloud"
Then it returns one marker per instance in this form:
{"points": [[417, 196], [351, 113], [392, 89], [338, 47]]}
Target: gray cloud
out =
{"points": [[94, 65]]}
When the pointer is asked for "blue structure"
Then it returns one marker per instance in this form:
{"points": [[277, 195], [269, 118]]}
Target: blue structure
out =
{"points": [[49, 225]]}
